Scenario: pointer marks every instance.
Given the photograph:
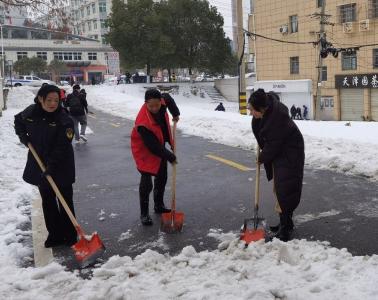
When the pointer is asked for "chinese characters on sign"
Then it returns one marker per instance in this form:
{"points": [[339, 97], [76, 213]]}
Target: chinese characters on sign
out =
{"points": [[360, 81]]}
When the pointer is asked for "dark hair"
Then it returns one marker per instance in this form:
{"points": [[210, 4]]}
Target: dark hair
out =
{"points": [[76, 87], [152, 94], [258, 100], [45, 90], [82, 91]]}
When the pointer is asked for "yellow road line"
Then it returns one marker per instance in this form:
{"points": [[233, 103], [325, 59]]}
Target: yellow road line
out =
{"points": [[229, 163], [116, 125]]}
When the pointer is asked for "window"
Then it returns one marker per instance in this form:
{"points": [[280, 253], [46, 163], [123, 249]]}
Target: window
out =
{"points": [[319, 3], [89, 25], [67, 56], [94, 24], [373, 8], [293, 23], [93, 8], [375, 58], [294, 65], [83, 28], [92, 56], [42, 55], [82, 12], [88, 10], [349, 61], [103, 24], [347, 13], [102, 7], [21, 55], [36, 78], [324, 74]]}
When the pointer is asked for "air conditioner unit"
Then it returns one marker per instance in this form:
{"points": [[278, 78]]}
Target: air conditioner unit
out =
{"points": [[348, 27], [284, 29], [364, 25]]}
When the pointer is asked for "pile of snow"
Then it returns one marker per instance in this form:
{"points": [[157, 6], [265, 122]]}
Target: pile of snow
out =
{"points": [[329, 145], [295, 270]]}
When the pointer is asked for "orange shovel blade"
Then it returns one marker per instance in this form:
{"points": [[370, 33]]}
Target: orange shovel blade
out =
{"points": [[252, 235], [172, 222], [87, 251]]}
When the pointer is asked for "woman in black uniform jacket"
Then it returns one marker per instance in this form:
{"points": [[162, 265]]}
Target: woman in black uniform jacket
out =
{"points": [[50, 130], [282, 153]]}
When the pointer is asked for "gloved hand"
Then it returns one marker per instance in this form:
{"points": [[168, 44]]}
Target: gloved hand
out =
{"points": [[24, 139], [170, 156]]}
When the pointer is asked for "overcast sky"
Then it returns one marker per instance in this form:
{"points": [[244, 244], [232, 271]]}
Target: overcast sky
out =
{"points": [[224, 8]]}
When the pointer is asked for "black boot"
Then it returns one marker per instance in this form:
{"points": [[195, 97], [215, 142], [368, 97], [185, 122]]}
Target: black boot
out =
{"points": [[290, 223], [285, 228], [146, 220], [144, 215], [52, 241], [159, 207]]}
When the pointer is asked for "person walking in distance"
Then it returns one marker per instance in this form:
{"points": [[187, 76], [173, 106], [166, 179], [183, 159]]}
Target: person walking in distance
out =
{"points": [[77, 106]]}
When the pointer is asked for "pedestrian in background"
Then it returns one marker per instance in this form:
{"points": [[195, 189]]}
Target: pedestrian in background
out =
{"points": [[299, 113], [49, 129], [220, 107], [151, 133], [305, 112], [293, 112], [77, 106], [282, 153]]}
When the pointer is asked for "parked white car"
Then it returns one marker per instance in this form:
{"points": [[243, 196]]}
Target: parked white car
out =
{"points": [[29, 80]]}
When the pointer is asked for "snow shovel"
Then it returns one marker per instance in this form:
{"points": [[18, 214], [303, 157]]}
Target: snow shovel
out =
{"points": [[253, 229], [87, 249], [173, 221]]}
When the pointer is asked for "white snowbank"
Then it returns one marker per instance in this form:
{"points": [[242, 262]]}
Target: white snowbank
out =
{"points": [[329, 145], [295, 270]]}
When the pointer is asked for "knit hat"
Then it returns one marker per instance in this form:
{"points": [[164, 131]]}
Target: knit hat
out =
{"points": [[258, 100]]}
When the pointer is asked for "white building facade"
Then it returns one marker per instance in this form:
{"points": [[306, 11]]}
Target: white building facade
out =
{"points": [[86, 59], [88, 17]]}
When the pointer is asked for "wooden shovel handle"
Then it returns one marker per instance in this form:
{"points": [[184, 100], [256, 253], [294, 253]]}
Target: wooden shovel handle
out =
{"points": [[173, 204], [257, 182], [56, 190]]}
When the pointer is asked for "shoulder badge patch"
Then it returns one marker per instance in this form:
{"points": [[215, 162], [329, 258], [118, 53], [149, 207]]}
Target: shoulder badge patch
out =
{"points": [[69, 133]]}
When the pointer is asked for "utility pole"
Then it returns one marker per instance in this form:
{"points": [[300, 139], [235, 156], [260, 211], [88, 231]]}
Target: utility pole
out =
{"points": [[322, 37], [241, 65]]}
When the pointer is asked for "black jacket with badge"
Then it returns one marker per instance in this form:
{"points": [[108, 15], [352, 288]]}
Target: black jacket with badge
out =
{"points": [[77, 103], [51, 135], [282, 152]]}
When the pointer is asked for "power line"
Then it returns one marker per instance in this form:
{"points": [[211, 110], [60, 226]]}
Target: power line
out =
{"points": [[249, 34]]}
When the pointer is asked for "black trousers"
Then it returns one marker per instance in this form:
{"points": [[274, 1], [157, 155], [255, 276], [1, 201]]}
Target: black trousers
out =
{"points": [[145, 187], [57, 221]]}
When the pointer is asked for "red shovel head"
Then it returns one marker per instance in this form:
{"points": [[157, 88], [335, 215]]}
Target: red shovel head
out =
{"points": [[172, 222], [252, 235], [88, 250]]}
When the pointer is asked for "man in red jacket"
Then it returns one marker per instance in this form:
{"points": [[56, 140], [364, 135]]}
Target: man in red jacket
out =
{"points": [[151, 132]]}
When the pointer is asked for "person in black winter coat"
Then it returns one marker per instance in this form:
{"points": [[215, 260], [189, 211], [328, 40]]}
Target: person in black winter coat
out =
{"points": [[282, 153], [49, 129], [77, 106], [220, 107], [293, 112]]}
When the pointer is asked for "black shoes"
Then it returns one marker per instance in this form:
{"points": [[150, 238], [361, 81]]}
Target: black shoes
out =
{"points": [[161, 209], [146, 220], [284, 230], [53, 242]]}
